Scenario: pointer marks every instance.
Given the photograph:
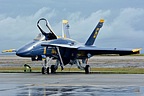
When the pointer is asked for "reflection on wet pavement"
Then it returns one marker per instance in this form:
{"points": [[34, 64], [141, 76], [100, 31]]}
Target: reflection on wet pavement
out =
{"points": [[80, 91], [23, 84], [42, 90]]}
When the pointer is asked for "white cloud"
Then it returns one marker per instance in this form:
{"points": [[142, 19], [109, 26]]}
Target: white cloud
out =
{"points": [[21, 29], [44, 12], [122, 30], [81, 25]]}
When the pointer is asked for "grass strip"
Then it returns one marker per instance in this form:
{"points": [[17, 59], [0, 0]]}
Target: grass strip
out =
{"points": [[129, 70]]}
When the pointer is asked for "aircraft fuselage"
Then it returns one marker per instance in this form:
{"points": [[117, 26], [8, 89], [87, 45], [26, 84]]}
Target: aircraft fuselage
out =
{"points": [[35, 49], [32, 49]]}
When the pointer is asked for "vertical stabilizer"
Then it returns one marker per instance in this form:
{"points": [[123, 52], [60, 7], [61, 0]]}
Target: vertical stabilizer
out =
{"points": [[94, 34], [65, 29]]}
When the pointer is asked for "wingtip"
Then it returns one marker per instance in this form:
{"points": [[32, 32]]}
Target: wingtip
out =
{"points": [[10, 50], [137, 50]]}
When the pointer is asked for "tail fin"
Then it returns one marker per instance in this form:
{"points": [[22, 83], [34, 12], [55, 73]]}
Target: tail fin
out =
{"points": [[94, 34], [65, 29]]}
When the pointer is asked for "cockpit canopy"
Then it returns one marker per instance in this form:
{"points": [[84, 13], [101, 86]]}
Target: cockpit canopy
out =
{"points": [[49, 35], [40, 37]]}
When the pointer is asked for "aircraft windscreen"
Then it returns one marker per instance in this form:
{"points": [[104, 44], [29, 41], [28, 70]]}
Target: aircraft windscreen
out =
{"points": [[40, 37]]}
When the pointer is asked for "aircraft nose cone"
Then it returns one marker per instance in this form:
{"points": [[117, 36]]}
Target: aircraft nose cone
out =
{"points": [[19, 53], [23, 53]]}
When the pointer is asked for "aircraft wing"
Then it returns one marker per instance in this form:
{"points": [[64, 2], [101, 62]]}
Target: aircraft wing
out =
{"points": [[93, 50], [97, 51], [8, 51], [60, 45]]}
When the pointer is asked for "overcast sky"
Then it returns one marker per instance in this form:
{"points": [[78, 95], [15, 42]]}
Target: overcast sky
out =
{"points": [[123, 26]]}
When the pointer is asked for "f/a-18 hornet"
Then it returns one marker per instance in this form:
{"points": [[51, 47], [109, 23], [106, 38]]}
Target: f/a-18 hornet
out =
{"points": [[65, 50]]}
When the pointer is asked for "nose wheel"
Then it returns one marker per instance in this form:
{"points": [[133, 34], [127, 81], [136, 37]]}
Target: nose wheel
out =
{"points": [[45, 70]]}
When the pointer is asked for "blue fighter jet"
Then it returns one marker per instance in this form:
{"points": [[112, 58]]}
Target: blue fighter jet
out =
{"points": [[65, 50], [68, 51]]}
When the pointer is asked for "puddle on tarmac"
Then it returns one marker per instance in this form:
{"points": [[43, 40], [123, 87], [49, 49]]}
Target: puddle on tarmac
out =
{"points": [[32, 90]]}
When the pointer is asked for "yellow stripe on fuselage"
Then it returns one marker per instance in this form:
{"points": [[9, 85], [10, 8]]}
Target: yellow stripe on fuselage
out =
{"points": [[53, 51], [44, 50]]}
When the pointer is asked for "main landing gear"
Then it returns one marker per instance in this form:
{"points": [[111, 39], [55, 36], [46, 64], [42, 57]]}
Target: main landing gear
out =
{"points": [[53, 70], [87, 69], [46, 69]]}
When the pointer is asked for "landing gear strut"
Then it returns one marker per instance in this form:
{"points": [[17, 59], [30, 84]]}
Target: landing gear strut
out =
{"points": [[45, 68]]}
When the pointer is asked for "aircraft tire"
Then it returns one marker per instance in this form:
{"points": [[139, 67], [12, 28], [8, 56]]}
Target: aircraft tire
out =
{"points": [[47, 70], [43, 70], [87, 69], [52, 69]]}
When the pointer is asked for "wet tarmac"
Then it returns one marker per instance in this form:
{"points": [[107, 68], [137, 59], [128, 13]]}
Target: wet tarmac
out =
{"points": [[71, 84]]}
